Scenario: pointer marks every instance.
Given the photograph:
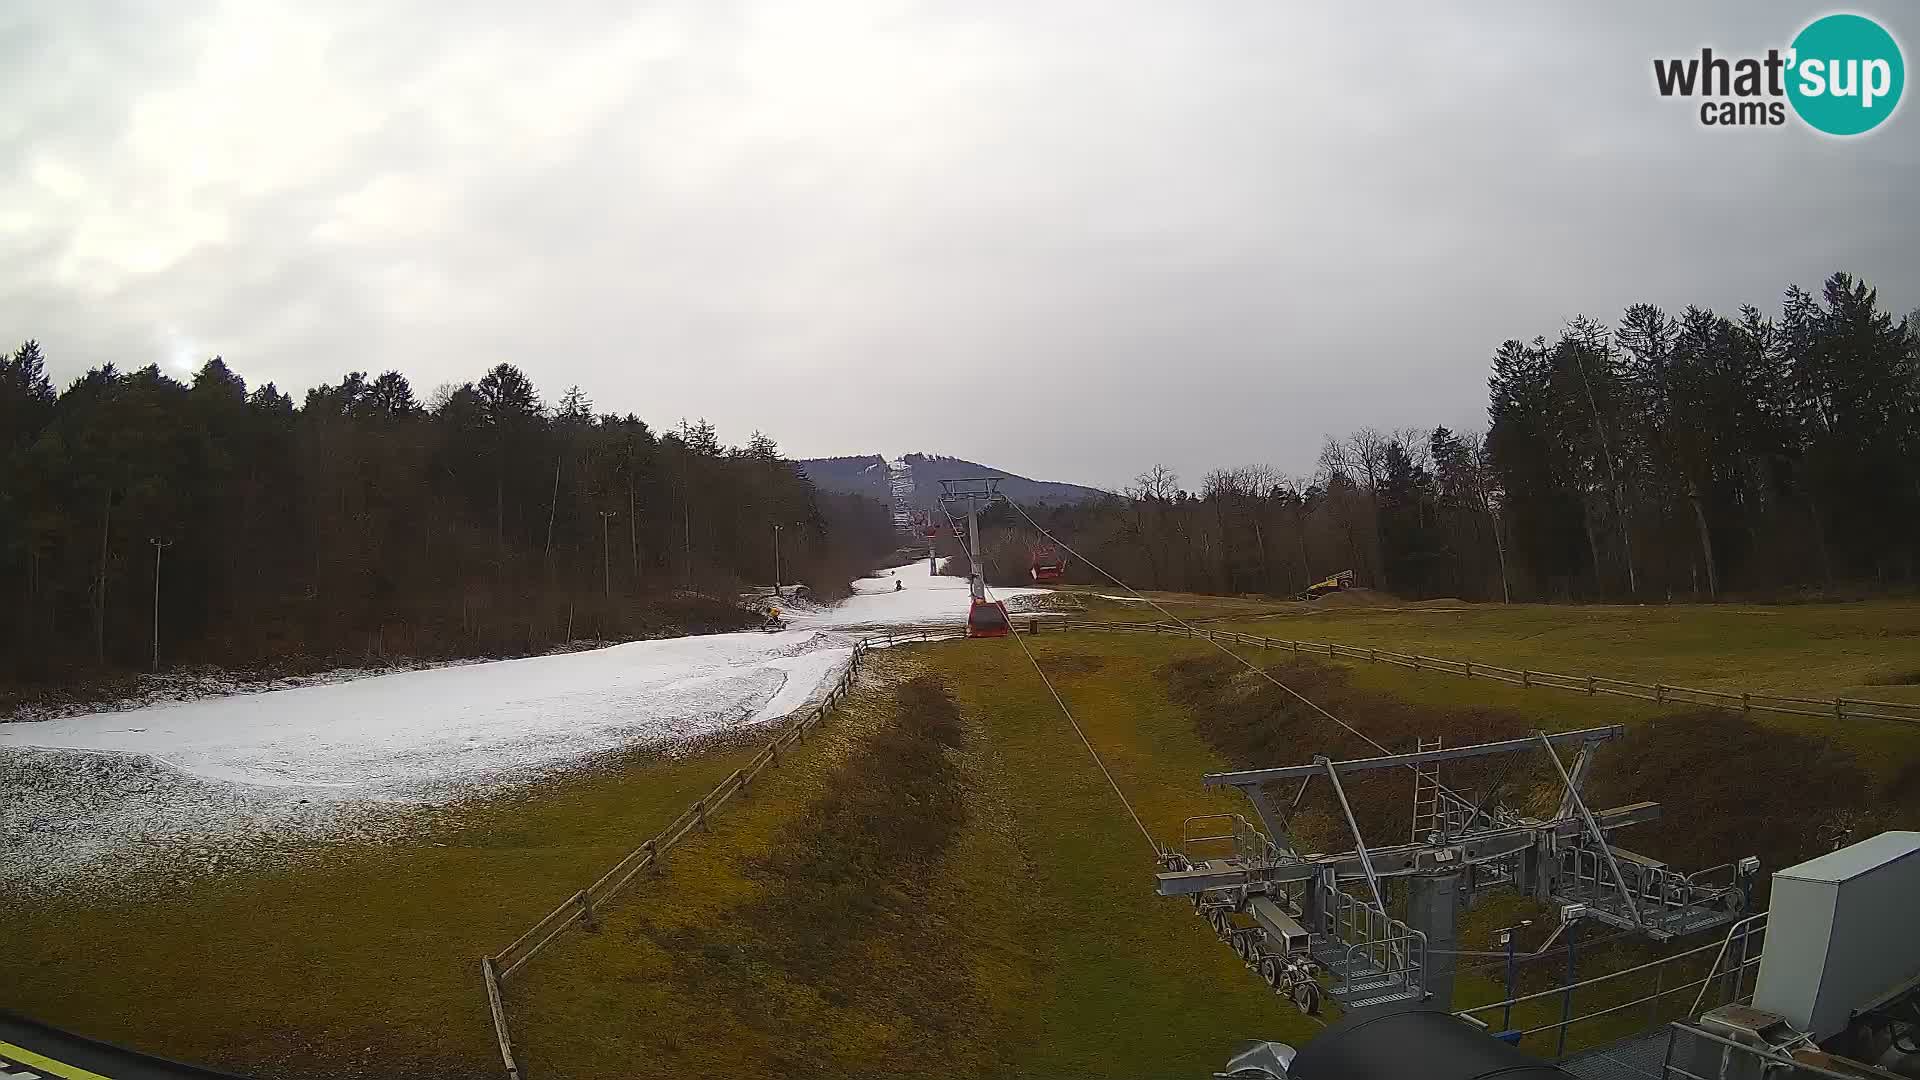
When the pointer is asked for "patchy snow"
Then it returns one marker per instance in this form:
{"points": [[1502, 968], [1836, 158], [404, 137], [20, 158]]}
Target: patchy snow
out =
{"points": [[925, 598], [1123, 599], [188, 786], [98, 794], [392, 735]]}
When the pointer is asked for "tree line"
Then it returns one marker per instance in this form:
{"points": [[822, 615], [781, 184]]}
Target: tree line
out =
{"points": [[1690, 456], [240, 528]]}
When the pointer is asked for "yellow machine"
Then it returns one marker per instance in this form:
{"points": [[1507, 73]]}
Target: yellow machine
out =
{"points": [[1341, 580]]}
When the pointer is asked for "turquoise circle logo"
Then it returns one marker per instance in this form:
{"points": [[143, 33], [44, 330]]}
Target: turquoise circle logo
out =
{"points": [[1847, 74]]}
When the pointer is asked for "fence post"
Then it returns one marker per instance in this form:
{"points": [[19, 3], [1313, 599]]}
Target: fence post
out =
{"points": [[1296, 648], [589, 918], [652, 848], [1526, 678], [490, 975], [1839, 713], [745, 782], [1660, 693], [1416, 661], [1373, 656], [700, 814], [1746, 703]]}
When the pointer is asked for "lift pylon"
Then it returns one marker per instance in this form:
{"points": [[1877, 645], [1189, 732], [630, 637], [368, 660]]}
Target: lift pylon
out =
{"points": [[1325, 917], [985, 618]]}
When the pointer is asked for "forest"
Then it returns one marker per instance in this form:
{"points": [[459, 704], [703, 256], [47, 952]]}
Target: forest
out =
{"points": [[146, 521], [1696, 456], [149, 522]]}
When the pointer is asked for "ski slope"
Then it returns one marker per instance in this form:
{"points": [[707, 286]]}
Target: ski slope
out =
{"points": [[103, 793], [925, 598]]}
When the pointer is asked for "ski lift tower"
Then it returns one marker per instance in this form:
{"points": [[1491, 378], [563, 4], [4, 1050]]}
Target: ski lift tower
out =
{"points": [[984, 617]]}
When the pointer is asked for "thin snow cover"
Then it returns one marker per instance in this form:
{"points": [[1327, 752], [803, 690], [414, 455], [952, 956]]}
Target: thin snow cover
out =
{"points": [[1123, 599], [182, 787], [924, 598], [94, 795]]}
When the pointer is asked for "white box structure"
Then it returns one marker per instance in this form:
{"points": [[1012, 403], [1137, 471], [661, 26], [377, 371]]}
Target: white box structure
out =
{"points": [[1841, 932]]}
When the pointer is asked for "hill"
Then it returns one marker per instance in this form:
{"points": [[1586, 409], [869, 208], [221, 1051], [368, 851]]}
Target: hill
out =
{"points": [[867, 475]]}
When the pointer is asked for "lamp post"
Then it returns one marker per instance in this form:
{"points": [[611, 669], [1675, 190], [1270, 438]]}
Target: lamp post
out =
{"points": [[776, 560], [159, 545]]}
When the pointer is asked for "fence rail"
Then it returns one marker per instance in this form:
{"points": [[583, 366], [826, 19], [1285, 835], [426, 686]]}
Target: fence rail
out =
{"points": [[1746, 701], [583, 907]]}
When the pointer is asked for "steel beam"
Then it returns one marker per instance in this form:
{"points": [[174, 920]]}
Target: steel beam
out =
{"points": [[1398, 860], [1599, 837], [1580, 738]]}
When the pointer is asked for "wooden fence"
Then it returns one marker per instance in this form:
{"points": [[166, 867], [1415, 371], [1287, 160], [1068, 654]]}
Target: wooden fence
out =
{"points": [[584, 906], [1746, 701]]}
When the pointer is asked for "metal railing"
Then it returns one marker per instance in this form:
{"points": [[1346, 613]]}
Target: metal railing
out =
{"points": [[1379, 947], [1661, 894], [1745, 702], [1724, 982]]}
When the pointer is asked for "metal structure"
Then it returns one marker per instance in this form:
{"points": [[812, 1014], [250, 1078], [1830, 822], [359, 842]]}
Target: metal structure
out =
{"points": [[1314, 923], [985, 618]]}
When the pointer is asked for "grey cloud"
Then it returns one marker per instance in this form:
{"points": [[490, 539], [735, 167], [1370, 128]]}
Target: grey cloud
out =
{"points": [[1071, 239]]}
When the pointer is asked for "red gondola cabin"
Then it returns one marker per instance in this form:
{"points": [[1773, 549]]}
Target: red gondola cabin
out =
{"points": [[988, 618]]}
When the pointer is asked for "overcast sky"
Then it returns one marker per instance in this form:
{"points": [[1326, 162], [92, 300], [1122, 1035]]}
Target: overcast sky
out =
{"points": [[1068, 239]]}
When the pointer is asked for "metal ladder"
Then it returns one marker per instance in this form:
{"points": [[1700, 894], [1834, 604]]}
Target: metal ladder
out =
{"points": [[1428, 816]]}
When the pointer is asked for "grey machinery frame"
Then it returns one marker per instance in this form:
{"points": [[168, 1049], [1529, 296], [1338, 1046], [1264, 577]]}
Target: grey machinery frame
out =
{"points": [[1296, 921]]}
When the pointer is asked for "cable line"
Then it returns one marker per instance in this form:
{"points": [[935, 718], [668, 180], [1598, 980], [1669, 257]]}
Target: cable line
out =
{"points": [[1068, 713], [1248, 664]]}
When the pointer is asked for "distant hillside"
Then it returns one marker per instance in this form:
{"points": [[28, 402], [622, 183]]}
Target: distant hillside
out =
{"points": [[867, 475]]}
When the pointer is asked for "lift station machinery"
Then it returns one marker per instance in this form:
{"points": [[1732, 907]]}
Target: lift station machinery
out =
{"points": [[1313, 924]]}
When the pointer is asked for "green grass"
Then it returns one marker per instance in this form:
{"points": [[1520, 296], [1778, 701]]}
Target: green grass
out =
{"points": [[1034, 947], [1031, 945], [355, 963], [1813, 649]]}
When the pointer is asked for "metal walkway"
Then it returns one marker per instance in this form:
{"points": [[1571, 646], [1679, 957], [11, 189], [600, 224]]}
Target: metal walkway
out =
{"points": [[1637, 1057]]}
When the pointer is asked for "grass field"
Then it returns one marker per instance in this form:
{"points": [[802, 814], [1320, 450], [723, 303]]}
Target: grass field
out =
{"points": [[1008, 928], [357, 962]]}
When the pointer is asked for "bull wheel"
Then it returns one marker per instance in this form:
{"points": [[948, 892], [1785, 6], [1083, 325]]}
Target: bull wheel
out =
{"points": [[1220, 923], [1247, 946], [1306, 997]]}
